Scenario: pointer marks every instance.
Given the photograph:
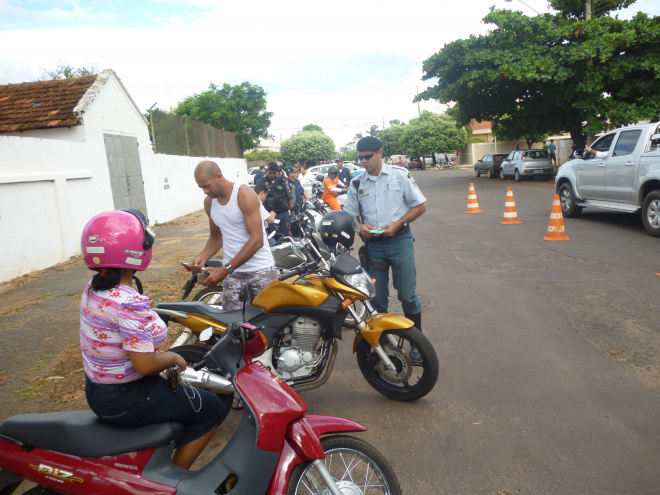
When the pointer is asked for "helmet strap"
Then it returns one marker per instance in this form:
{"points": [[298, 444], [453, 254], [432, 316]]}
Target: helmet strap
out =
{"points": [[138, 284]]}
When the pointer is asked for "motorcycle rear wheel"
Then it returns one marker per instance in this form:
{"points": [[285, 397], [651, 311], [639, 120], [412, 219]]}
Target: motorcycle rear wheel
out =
{"points": [[210, 295], [356, 465], [193, 354], [399, 385]]}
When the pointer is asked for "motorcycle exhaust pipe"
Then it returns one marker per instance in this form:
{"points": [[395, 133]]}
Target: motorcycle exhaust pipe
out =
{"points": [[208, 381]]}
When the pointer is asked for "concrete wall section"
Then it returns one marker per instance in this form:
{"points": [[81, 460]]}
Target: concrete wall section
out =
{"points": [[50, 188]]}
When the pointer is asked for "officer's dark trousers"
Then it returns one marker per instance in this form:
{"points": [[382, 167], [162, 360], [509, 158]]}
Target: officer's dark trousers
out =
{"points": [[283, 226], [398, 253]]}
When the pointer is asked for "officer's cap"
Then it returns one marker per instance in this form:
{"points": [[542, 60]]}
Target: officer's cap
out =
{"points": [[273, 166], [289, 169], [369, 143]]}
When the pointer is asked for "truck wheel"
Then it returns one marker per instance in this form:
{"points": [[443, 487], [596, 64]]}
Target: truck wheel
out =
{"points": [[567, 199], [651, 213]]}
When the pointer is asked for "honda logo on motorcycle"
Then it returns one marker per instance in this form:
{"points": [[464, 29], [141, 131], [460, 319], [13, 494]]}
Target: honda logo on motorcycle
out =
{"points": [[56, 473]]}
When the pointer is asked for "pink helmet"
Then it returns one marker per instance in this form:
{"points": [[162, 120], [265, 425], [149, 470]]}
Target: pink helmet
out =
{"points": [[117, 239]]}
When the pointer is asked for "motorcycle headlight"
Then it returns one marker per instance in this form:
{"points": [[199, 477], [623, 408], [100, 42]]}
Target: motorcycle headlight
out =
{"points": [[361, 282]]}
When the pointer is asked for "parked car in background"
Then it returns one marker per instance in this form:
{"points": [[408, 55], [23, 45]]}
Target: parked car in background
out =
{"points": [[626, 178], [251, 173], [525, 164], [489, 165], [415, 163]]}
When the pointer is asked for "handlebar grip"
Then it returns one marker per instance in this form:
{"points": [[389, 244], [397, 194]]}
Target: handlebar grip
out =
{"points": [[292, 273], [200, 365]]}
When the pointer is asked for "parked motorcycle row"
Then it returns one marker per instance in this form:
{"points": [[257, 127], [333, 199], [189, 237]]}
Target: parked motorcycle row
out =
{"points": [[283, 343]]}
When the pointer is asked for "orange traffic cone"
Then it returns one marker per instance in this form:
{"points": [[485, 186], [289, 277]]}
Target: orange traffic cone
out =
{"points": [[510, 214], [473, 205], [556, 231]]}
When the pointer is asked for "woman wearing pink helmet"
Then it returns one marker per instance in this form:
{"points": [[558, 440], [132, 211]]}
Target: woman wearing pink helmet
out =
{"points": [[120, 336]]}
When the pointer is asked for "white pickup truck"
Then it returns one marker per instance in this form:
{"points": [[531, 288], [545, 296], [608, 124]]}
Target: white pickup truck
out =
{"points": [[624, 176]]}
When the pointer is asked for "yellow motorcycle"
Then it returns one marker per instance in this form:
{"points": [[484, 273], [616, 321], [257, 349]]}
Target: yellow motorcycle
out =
{"points": [[302, 315]]}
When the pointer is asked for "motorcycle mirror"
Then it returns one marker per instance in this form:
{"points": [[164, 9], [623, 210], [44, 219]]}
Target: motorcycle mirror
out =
{"points": [[205, 334], [244, 296]]}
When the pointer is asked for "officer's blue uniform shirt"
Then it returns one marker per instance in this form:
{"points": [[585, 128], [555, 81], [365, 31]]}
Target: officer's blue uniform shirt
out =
{"points": [[296, 189], [345, 176], [385, 198]]}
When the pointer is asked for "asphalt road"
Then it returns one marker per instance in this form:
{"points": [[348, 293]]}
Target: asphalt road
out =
{"points": [[549, 351]]}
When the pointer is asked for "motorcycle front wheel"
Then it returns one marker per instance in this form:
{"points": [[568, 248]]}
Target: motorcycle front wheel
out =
{"points": [[210, 295], [353, 463], [193, 354], [416, 373]]}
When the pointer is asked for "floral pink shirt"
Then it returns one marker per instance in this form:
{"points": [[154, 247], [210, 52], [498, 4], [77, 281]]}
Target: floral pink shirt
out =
{"points": [[113, 322]]}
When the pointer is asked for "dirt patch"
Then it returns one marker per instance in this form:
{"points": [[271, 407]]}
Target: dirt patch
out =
{"points": [[42, 367]]}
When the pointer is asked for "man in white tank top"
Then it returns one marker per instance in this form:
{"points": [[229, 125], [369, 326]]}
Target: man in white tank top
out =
{"points": [[236, 226]]}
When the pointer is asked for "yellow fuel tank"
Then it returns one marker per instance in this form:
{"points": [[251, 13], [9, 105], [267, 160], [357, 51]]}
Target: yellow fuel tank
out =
{"points": [[277, 294]]}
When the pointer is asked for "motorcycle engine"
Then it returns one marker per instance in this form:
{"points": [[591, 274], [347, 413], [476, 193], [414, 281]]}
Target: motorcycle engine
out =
{"points": [[296, 355]]}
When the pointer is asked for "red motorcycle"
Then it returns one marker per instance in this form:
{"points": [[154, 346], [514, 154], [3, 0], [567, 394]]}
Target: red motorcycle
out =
{"points": [[277, 449]]}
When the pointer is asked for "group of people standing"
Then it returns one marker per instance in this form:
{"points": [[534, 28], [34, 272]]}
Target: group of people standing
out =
{"points": [[121, 335]]}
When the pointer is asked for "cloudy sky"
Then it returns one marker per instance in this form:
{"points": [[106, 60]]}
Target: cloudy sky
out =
{"points": [[341, 64]]}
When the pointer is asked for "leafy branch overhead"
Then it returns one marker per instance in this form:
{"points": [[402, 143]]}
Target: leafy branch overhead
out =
{"points": [[240, 109], [552, 73]]}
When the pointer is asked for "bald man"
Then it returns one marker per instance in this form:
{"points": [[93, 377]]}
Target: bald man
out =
{"points": [[236, 226]]}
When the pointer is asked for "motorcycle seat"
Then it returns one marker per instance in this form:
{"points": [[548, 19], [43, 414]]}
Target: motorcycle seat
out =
{"points": [[219, 315], [83, 434]]}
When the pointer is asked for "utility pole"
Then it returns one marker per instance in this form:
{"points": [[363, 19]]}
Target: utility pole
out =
{"points": [[588, 9]]}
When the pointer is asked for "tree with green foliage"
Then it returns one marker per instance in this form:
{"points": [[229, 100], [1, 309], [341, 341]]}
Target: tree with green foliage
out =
{"points": [[552, 73], [391, 139], [307, 146], [432, 133], [312, 127], [262, 155], [240, 109], [65, 71], [374, 131], [348, 153]]}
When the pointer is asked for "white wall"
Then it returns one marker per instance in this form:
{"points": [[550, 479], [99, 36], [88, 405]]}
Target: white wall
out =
{"points": [[49, 188]]}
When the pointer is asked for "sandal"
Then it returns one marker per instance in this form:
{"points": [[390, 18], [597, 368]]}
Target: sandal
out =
{"points": [[237, 403]]}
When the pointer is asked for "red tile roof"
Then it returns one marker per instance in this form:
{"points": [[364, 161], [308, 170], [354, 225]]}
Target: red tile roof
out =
{"points": [[41, 104], [479, 126]]}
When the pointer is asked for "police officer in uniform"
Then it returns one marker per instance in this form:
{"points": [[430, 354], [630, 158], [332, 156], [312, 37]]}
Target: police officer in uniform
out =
{"points": [[297, 191], [385, 199], [279, 197]]}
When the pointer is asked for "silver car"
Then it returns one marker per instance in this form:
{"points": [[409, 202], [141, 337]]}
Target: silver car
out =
{"points": [[524, 164]]}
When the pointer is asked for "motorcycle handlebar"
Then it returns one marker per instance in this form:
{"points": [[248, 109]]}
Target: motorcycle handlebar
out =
{"points": [[301, 270], [200, 365]]}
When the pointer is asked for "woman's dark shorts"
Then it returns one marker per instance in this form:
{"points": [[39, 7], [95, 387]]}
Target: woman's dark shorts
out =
{"points": [[151, 400]]}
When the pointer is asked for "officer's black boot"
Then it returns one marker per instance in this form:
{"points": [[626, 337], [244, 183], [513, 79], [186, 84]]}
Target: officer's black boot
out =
{"points": [[416, 318]]}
